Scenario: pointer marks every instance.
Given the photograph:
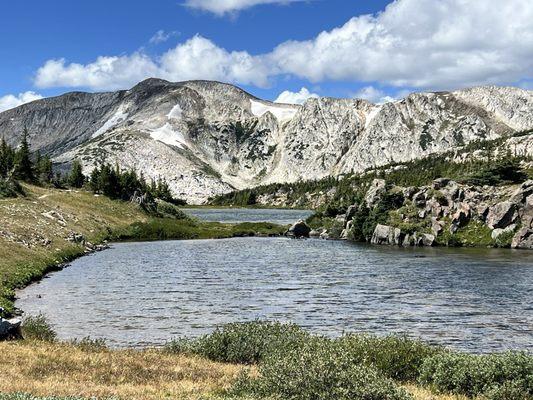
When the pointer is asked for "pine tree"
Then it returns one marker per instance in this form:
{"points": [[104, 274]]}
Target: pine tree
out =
{"points": [[23, 165], [7, 156], [76, 178], [44, 169]]}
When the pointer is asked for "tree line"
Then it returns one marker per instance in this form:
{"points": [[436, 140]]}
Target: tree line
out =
{"points": [[21, 165]]}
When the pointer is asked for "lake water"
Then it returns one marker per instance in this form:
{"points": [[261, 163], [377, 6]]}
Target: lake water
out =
{"points": [[138, 294], [234, 215]]}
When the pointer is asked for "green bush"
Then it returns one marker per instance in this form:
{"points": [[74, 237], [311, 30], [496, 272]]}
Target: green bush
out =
{"points": [[38, 328], [508, 391], [396, 357], [474, 375], [318, 368], [10, 188], [244, 343], [169, 210]]}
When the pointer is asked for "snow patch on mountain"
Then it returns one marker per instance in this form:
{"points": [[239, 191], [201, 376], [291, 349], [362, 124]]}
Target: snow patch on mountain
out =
{"points": [[119, 116], [282, 113], [168, 135], [175, 113]]}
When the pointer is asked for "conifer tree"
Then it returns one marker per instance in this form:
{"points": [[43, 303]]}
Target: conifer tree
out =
{"points": [[76, 178], [23, 165]]}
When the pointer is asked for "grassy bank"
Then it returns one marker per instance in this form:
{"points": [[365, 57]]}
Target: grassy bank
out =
{"points": [[35, 231], [260, 360]]}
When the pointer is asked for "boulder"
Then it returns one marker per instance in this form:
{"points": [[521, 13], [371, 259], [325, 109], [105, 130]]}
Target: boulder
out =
{"points": [[440, 183], [420, 198], [502, 215], [522, 193], [496, 233], [10, 328], [377, 189], [523, 239], [461, 216], [299, 229], [436, 226], [428, 240], [314, 233], [384, 234], [526, 213]]}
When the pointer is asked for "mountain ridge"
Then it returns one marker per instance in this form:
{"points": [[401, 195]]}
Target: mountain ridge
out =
{"points": [[207, 138]]}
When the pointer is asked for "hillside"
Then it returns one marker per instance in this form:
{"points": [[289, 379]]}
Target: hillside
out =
{"points": [[209, 138]]}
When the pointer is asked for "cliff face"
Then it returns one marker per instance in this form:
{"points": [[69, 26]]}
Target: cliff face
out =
{"points": [[208, 138]]}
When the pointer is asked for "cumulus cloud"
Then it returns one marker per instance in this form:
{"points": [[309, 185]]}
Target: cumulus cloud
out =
{"points": [[373, 95], [221, 7], [197, 58], [425, 44], [11, 101], [421, 43], [300, 97]]}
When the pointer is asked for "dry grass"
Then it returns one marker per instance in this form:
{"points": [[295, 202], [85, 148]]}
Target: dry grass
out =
{"points": [[63, 370], [424, 394]]}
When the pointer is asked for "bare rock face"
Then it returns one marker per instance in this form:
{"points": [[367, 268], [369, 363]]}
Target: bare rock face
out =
{"points": [[208, 138], [523, 239], [502, 215]]}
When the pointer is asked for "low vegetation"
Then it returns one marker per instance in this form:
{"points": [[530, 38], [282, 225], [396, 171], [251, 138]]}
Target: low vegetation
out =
{"points": [[261, 360]]}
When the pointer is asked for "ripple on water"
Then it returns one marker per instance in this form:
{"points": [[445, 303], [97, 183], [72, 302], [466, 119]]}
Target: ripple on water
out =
{"points": [[148, 293]]}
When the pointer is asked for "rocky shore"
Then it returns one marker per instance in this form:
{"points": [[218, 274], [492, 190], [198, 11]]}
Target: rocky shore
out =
{"points": [[444, 213]]}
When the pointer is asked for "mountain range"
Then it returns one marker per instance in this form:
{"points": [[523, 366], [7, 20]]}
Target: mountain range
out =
{"points": [[207, 138]]}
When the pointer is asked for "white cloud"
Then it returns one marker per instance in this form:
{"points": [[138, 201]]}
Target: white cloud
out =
{"points": [[221, 7], [373, 95], [421, 43], [197, 58], [11, 101], [300, 97], [162, 36], [425, 44]]}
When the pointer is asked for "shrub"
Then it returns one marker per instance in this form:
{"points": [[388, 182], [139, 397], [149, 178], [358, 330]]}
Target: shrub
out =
{"points": [[38, 328], [473, 375], [169, 210], [244, 343], [318, 368], [90, 345], [10, 188], [508, 391], [396, 357]]}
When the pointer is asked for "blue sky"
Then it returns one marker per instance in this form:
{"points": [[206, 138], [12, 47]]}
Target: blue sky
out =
{"points": [[375, 49]]}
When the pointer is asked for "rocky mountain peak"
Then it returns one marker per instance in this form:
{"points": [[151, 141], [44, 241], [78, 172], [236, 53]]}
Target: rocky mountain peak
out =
{"points": [[208, 138]]}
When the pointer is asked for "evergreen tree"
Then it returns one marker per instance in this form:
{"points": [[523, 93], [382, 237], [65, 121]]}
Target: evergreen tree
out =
{"points": [[7, 158], [76, 178], [45, 172], [23, 165]]}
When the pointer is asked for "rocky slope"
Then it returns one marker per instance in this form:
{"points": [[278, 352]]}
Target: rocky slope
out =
{"points": [[208, 138], [444, 213]]}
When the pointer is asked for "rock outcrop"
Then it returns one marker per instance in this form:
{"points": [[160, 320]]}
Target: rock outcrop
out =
{"points": [[208, 138], [449, 213]]}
